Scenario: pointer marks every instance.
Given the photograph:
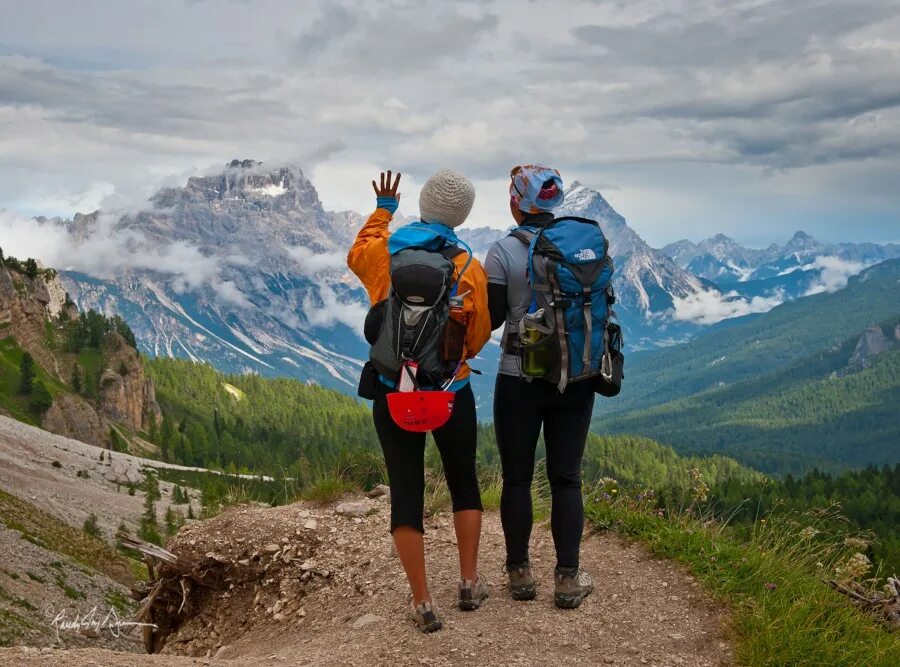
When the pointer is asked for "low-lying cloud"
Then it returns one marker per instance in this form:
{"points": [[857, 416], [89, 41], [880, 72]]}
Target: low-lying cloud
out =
{"points": [[833, 274], [106, 251], [311, 264], [711, 306]]}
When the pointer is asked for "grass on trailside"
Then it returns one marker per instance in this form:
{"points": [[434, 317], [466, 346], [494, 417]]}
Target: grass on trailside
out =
{"points": [[782, 612]]}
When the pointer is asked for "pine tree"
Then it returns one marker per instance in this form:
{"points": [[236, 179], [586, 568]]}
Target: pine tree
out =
{"points": [[151, 486], [41, 399], [149, 530], [171, 528], [153, 429], [26, 374], [31, 268], [76, 379]]}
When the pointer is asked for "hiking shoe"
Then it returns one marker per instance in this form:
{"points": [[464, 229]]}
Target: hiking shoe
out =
{"points": [[473, 593], [521, 582], [572, 586], [425, 616]]}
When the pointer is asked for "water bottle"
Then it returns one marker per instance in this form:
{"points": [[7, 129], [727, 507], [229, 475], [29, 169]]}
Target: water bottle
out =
{"points": [[532, 332]]}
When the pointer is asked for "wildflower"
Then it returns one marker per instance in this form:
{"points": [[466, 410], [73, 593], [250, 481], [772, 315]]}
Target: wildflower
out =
{"points": [[857, 566], [614, 491], [808, 533], [856, 543], [770, 586]]}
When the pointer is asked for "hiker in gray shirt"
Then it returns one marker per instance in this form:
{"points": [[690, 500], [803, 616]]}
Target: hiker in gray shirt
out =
{"points": [[523, 405]]}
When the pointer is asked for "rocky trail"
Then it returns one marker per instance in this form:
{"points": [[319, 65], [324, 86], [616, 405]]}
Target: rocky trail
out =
{"points": [[319, 585]]}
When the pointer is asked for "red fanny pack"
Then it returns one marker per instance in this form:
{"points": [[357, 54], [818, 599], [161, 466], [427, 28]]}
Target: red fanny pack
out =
{"points": [[420, 411]]}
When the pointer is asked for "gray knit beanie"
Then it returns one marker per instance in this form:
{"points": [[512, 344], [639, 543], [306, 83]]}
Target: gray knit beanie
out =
{"points": [[446, 197]]}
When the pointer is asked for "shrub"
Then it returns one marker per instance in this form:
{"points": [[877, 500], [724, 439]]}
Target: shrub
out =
{"points": [[91, 528]]}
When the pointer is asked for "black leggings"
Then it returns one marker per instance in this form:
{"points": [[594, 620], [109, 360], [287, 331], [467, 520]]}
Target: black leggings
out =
{"points": [[520, 409], [404, 455]]}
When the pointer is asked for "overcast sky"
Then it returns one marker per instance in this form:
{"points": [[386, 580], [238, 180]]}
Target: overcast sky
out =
{"points": [[750, 117]]}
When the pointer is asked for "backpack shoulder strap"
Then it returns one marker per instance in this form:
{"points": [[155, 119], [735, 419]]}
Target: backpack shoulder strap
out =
{"points": [[524, 235], [451, 251]]}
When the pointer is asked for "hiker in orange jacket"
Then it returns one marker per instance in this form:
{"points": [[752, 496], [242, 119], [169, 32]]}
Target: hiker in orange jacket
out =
{"points": [[445, 201]]}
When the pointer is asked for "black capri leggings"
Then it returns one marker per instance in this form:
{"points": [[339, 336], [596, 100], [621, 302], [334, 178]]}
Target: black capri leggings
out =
{"points": [[404, 455]]}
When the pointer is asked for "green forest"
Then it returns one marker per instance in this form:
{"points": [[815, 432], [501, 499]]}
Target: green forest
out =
{"points": [[779, 423], [247, 423], [280, 427]]}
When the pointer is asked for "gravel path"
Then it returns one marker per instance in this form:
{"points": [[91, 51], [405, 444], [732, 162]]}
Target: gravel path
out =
{"points": [[643, 612]]}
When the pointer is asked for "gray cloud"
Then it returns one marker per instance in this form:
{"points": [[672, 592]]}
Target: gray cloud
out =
{"points": [[789, 102]]}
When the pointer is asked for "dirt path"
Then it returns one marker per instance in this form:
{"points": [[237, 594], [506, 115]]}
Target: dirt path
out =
{"points": [[643, 612]]}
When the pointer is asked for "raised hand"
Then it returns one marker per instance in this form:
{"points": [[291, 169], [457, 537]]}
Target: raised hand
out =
{"points": [[387, 189]]}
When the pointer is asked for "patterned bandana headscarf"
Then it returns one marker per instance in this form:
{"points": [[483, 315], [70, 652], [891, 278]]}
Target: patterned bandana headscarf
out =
{"points": [[528, 192]]}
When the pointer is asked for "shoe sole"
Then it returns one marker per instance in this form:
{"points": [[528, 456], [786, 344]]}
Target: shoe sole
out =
{"points": [[434, 626], [523, 594], [471, 605], [570, 601]]}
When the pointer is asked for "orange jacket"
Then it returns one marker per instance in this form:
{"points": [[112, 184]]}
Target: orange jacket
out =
{"points": [[370, 261]]}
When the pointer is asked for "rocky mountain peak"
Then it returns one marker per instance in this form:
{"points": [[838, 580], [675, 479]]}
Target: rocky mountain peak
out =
{"points": [[590, 204], [802, 242]]}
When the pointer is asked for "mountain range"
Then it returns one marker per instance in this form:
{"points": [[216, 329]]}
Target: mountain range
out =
{"points": [[799, 263], [245, 269]]}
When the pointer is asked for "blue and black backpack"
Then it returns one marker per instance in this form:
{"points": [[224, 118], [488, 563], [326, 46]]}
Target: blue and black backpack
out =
{"points": [[570, 273]]}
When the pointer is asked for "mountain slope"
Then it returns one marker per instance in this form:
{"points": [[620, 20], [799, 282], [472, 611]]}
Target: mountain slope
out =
{"points": [[782, 423], [746, 347], [76, 374]]}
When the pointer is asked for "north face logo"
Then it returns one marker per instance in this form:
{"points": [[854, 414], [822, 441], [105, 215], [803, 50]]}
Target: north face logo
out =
{"points": [[585, 255]]}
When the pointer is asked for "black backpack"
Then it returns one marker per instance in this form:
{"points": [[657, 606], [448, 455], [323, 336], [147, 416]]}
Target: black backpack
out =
{"points": [[415, 323]]}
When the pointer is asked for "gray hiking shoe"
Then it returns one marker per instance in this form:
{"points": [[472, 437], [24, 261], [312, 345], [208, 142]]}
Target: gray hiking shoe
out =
{"points": [[521, 582], [425, 616], [572, 586], [473, 593]]}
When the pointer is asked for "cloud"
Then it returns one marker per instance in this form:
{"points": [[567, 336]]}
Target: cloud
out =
{"points": [[767, 100], [311, 264], [834, 273], [711, 306], [328, 310], [105, 250]]}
